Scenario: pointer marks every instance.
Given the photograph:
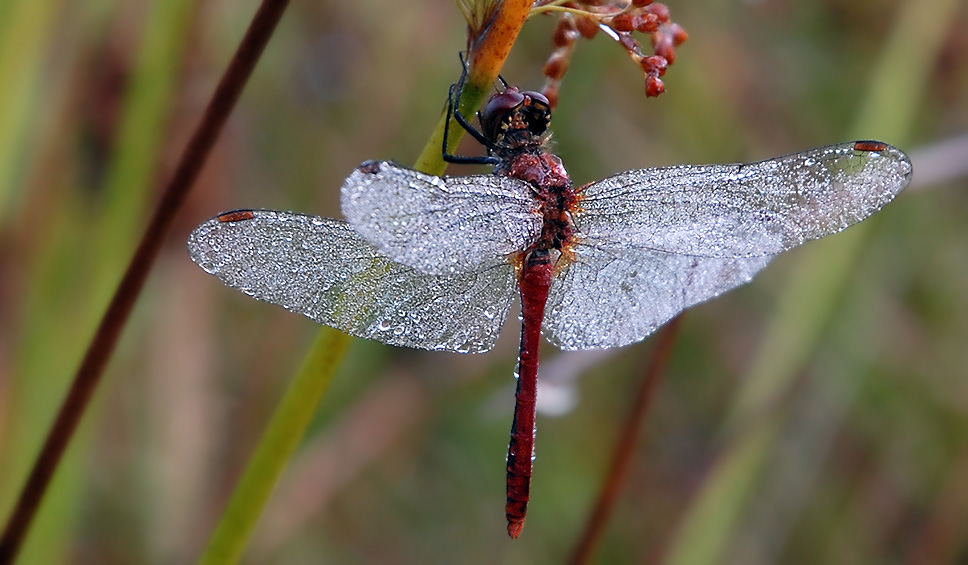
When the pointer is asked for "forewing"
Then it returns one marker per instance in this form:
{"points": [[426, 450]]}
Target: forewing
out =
{"points": [[743, 210], [320, 268], [609, 299], [440, 225]]}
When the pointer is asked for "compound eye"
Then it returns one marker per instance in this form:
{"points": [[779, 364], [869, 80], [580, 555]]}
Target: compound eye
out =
{"points": [[503, 103], [537, 98], [537, 110], [497, 109]]}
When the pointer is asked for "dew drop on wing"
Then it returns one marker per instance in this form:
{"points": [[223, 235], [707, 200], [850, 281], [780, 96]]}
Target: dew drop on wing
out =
{"points": [[419, 220], [719, 210], [669, 238], [342, 281]]}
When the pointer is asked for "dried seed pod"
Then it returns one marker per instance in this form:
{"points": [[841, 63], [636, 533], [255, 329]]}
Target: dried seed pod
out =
{"points": [[619, 19]]}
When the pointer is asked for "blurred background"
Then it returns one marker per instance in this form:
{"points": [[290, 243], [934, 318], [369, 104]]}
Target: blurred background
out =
{"points": [[819, 414]]}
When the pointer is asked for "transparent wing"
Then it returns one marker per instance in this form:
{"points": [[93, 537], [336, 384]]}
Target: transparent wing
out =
{"points": [[322, 269], [610, 299], [440, 225], [743, 210]]}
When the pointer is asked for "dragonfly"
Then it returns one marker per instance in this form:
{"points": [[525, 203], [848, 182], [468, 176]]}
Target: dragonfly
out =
{"points": [[435, 263]]}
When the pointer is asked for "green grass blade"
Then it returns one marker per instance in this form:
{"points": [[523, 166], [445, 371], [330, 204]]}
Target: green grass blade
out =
{"points": [[24, 31], [808, 300], [140, 139], [276, 447], [67, 264]]}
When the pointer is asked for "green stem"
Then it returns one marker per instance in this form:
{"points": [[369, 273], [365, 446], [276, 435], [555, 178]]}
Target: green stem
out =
{"points": [[276, 447], [294, 413]]}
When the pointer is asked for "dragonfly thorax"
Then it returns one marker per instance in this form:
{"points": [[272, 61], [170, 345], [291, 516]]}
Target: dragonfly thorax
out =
{"points": [[543, 170]]}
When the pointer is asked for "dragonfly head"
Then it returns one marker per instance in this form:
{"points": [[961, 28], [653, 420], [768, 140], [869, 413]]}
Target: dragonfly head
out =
{"points": [[523, 116]]}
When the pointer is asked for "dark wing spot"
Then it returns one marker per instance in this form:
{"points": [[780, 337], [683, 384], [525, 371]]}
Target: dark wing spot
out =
{"points": [[370, 167], [236, 216], [870, 146]]}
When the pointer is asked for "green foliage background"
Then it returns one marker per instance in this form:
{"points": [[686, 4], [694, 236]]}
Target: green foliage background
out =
{"points": [[816, 415]]}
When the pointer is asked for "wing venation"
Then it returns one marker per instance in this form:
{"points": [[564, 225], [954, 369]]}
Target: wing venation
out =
{"points": [[742, 210], [440, 225], [605, 299], [322, 269]]}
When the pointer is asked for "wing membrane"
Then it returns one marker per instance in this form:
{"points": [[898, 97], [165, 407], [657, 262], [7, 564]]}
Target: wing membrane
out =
{"points": [[322, 269], [440, 225], [609, 299], [743, 210]]}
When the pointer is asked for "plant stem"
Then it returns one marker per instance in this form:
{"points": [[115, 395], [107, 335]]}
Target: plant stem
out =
{"points": [[489, 48], [295, 411], [276, 447], [99, 351], [629, 437]]}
